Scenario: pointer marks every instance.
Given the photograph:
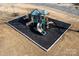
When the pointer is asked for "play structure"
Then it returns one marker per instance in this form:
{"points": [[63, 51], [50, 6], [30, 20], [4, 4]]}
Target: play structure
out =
{"points": [[39, 20], [40, 29]]}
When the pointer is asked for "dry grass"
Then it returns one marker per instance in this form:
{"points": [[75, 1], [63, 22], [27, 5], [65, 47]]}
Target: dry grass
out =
{"points": [[13, 43]]}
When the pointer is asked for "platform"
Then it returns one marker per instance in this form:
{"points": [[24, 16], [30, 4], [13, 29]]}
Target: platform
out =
{"points": [[44, 42]]}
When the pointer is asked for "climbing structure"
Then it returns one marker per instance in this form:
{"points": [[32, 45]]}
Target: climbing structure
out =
{"points": [[39, 21]]}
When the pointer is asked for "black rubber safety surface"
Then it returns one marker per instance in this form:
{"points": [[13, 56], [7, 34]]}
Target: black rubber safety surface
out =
{"points": [[45, 42]]}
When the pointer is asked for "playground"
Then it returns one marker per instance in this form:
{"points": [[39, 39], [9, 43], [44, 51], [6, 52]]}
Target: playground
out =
{"points": [[13, 43]]}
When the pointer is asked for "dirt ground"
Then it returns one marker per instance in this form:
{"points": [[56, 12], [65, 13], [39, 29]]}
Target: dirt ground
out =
{"points": [[13, 43]]}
